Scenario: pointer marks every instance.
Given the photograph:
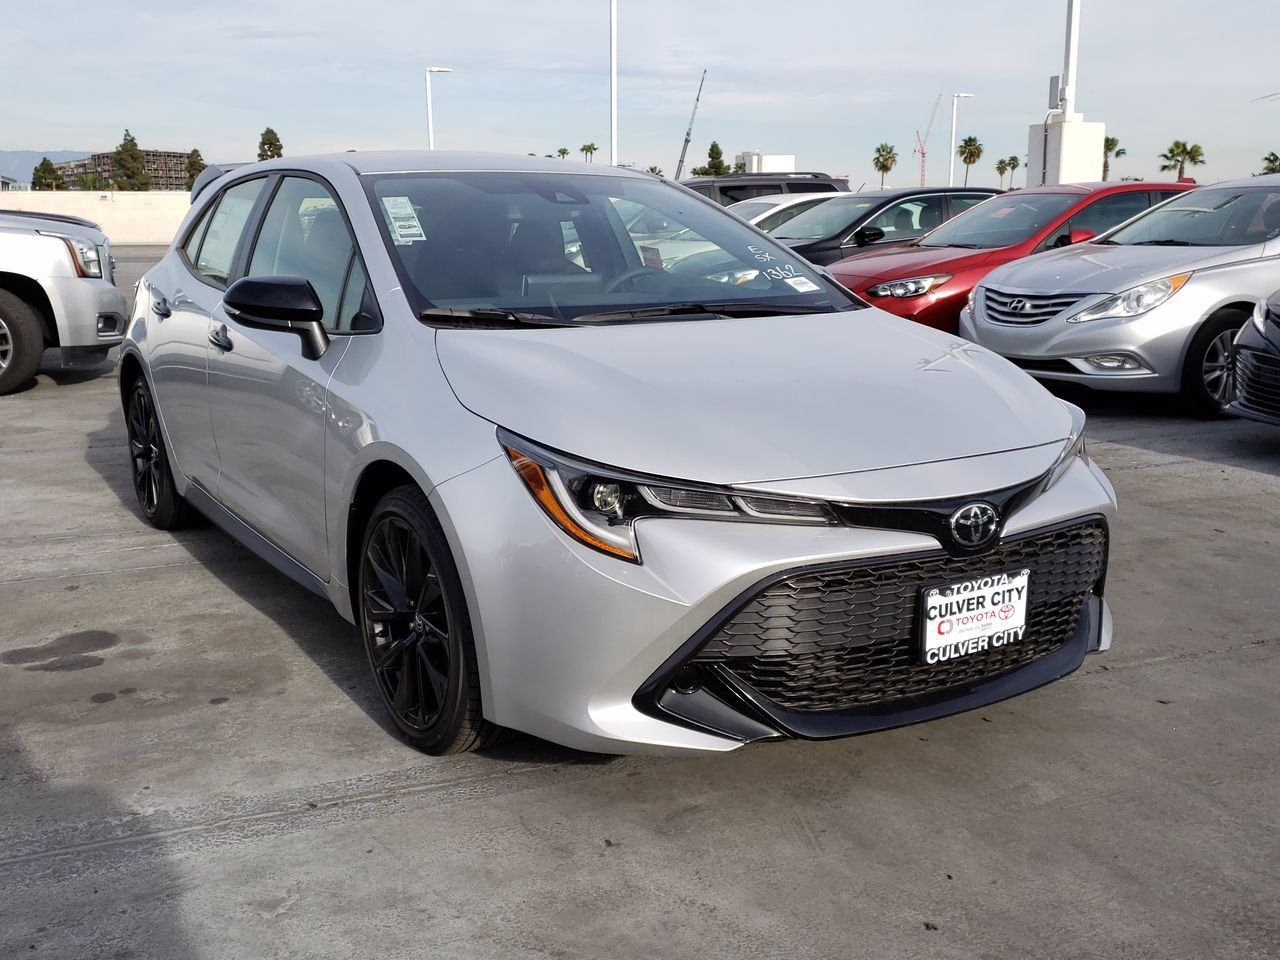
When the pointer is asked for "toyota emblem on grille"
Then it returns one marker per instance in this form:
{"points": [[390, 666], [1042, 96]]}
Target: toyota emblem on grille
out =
{"points": [[974, 525], [1019, 305]]}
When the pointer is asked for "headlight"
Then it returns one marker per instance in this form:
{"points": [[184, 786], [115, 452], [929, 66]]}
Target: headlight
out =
{"points": [[1260, 316], [598, 506], [734, 278], [973, 295], [1135, 301], [914, 287], [1074, 449], [84, 255]]}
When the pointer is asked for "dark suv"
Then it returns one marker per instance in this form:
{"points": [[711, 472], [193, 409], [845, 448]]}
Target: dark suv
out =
{"points": [[874, 219], [733, 187]]}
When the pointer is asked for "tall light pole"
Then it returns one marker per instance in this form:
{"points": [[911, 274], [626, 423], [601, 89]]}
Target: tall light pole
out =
{"points": [[431, 130], [951, 163], [613, 83]]}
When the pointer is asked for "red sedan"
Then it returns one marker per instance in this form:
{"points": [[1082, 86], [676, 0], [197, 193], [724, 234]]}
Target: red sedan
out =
{"points": [[929, 280]]}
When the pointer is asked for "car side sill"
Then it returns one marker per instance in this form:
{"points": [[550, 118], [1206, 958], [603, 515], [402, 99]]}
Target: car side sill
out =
{"points": [[242, 533]]}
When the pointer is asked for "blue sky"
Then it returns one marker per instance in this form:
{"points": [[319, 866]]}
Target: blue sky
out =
{"points": [[824, 80]]}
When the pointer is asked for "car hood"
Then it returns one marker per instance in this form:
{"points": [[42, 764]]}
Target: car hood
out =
{"points": [[1102, 268], [902, 262], [751, 400]]}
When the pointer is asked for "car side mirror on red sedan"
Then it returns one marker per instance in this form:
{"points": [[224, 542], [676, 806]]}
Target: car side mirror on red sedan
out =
{"points": [[1081, 236]]}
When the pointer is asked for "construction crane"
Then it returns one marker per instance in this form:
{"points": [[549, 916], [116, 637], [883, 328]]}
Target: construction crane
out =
{"points": [[922, 142], [688, 135]]}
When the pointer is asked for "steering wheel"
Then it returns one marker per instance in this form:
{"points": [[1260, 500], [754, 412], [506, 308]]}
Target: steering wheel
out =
{"points": [[626, 276]]}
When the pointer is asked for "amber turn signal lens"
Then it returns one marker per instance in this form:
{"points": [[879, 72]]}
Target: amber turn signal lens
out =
{"points": [[535, 478]]}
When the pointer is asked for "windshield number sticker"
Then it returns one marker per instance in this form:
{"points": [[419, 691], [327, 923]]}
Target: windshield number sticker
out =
{"points": [[803, 284], [405, 227]]}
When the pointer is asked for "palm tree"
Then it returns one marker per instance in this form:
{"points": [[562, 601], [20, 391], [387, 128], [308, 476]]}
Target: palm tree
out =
{"points": [[588, 149], [1013, 163], [1002, 167], [969, 152], [1110, 148], [1271, 163], [656, 171], [1179, 154], [562, 152], [885, 157]]}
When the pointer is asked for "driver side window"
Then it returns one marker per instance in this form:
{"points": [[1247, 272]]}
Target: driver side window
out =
{"points": [[304, 235]]}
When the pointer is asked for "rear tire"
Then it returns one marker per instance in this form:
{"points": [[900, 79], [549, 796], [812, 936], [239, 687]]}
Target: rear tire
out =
{"points": [[158, 497], [21, 342], [417, 630], [1208, 374]]}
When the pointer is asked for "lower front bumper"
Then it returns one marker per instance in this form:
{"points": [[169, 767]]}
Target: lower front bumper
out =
{"points": [[1257, 378], [89, 312]]}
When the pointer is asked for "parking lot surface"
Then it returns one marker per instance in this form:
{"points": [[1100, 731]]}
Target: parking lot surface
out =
{"points": [[193, 762]]}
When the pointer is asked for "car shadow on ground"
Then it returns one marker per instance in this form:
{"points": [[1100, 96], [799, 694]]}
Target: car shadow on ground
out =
{"points": [[55, 855], [1160, 424], [308, 620]]}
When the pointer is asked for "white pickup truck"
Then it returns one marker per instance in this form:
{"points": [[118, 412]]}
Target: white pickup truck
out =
{"points": [[56, 291]]}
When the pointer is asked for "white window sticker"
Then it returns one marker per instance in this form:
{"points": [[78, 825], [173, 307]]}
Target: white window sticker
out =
{"points": [[405, 227], [803, 284]]}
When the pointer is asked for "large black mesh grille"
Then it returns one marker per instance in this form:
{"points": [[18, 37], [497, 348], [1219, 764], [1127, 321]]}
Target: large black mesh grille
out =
{"points": [[847, 638], [1258, 381]]}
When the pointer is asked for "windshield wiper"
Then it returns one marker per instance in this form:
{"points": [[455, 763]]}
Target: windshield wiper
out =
{"points": [[496, 317], [1162, 243], [962, 246], [705, 310]]}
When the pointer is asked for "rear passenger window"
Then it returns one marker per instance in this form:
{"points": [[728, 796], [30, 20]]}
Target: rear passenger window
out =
{"points": [[192, 247], [218, 248], [1109, 211], [304, 235], [799, 186]]}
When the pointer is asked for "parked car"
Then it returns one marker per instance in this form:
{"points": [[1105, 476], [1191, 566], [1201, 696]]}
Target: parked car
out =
{"points": [[56, 291], [874, 219], [1152, 305], [772, 211], [612, 504], [929, 281], [1257, 365], [732, 187]]}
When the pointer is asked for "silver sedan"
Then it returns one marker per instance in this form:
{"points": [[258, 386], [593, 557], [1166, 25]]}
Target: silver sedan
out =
{"points": [[1152, 305], [567, 485]]}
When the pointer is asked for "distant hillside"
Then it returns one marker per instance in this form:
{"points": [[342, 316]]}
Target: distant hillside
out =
{"points": [[19, 163]]}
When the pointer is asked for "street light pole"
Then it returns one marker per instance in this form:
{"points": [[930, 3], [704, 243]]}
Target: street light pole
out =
{"points": [[431, 130], [613, 83], [951, 163]]}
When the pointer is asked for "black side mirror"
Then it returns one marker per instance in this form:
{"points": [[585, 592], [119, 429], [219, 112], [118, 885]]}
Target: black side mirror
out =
{"points": [[864, 235], [279, 303]]}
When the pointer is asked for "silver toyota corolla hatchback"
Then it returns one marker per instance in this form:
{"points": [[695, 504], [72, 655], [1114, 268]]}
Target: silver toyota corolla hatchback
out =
{"points": [[1152, 305], [566, 485]]}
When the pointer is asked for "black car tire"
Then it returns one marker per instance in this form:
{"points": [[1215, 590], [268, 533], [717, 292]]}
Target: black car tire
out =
{"points": [[1195, 392], [413, 617], [153, 485], [21, 341]]}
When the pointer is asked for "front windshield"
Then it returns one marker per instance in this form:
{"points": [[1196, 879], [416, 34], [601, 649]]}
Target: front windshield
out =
{"points": [[746, 209], [567, 245], [1001, 221], [1207, 217], [830, 219]]}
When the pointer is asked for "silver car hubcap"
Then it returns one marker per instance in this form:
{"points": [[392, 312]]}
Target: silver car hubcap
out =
{"points": [[6, 345], [1219, 376]]}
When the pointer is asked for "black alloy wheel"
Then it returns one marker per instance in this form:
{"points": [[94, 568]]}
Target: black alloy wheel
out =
{"points": [[158, 498], [416, 630]]}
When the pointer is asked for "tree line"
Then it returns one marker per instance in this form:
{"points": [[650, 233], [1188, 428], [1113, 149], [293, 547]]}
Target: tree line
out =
{"points": [[129, 167]]}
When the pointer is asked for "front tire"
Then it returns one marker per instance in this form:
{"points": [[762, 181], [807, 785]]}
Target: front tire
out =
{"points": [[1208, 374], [158, 497], [416, 629], [21, 342]]}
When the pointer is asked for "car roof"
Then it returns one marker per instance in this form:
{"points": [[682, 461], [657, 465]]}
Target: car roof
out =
{"points": [[1104, 186], [890, 193], [758, 177], [1271, 180]]}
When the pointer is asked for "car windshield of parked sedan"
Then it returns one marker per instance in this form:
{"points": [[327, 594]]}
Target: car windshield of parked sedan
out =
{"points": [[1207, 217], [746, 209], [568, 246], [826, 220], [1001, 221]]}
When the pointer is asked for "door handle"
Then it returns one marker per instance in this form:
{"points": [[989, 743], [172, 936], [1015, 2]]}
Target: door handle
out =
{"points": [[160, 307], [220, 338]]}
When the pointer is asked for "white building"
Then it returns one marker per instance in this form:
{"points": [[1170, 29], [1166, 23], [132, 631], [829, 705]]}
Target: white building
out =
{"points": [[757, 162]]}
